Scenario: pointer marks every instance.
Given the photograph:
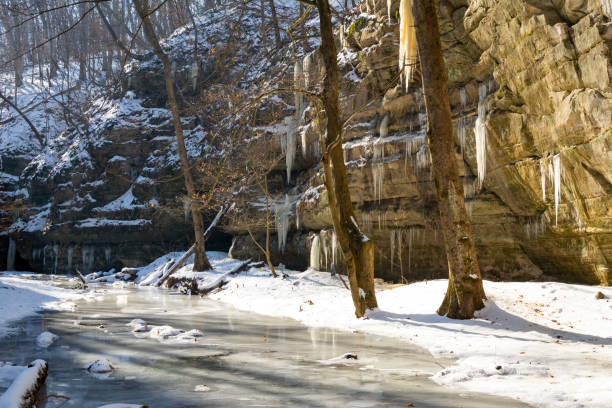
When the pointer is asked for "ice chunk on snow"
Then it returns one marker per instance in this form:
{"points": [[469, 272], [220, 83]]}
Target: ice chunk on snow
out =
{"points": [[45, 339], [136, 323], [100, 366], [201, 388], [193, 333], [162, 332]]}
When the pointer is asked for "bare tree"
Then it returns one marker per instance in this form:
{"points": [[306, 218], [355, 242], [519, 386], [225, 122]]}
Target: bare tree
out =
{"points": [[201, 261], [356, 247], [465, 293]]}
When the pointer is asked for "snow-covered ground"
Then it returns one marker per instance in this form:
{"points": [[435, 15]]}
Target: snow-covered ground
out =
{"points": [[547, 344], [21, 297]]}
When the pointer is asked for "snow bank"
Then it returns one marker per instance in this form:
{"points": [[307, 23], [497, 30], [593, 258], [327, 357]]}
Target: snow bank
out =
{"points": [[547, 344], [21, 297]]}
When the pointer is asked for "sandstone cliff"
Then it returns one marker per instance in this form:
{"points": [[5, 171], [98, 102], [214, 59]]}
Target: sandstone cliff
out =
{"points": [[531, 95]]}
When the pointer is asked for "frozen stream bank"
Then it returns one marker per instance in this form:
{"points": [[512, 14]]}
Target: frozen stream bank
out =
{"points": [[243, 359]]}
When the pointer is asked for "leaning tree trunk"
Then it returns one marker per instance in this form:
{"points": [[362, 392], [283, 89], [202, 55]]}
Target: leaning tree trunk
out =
{"points": [[357, 249], [465, 293], [201, 261]]}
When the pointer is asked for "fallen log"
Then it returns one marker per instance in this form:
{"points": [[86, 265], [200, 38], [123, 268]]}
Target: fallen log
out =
{"points": [[24, 389], [81, 278], [222, 280], [181, 261]]}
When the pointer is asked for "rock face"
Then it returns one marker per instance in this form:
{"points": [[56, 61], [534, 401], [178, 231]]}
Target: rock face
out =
{"points": [[535, 76], [530, 88]]}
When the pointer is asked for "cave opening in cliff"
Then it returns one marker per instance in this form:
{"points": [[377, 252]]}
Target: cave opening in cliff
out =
{"points": [[219, 241], [22, 264]]}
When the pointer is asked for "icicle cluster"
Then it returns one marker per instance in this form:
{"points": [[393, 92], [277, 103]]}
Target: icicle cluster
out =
{"points": [[408, 45], [535, 226], [281, 217], [378, 168], [107, 255], [480, 133], [389, 10]]}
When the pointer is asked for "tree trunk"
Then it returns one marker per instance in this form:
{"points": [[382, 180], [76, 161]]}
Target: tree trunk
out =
{"points": [[201, 261], [465, 293], [277, 36], [357, 249]]}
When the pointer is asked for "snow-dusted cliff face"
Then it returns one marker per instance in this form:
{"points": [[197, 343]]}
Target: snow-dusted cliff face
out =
{"points": [[530, 89]]}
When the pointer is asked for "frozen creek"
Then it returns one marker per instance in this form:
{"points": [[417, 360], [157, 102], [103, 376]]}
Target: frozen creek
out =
{"points": [[243, 359]]}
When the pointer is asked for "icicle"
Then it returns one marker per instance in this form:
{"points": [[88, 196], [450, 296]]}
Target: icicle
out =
{"points": [[557, 184], [480, 132], [88, 258], [384, 127], [325, 247], [543, 177], [69, 261], [606, 7], [193, 74], [282, 222], [422, 160], [315, 253], [462, 120], [298, 83], [12, 252], [399, 235], [186, 206], [290, 148], [334, 246], [107, 255], [468, 195], [342, 36], [55, 257], [392, 247], [378, 169], [408, 44], [410, 236], [389, 2], [297, 215], [306, 68]]}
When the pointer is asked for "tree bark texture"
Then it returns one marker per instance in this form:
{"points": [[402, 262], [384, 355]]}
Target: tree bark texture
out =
{"points": [[357, 249], [465, 293]]}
